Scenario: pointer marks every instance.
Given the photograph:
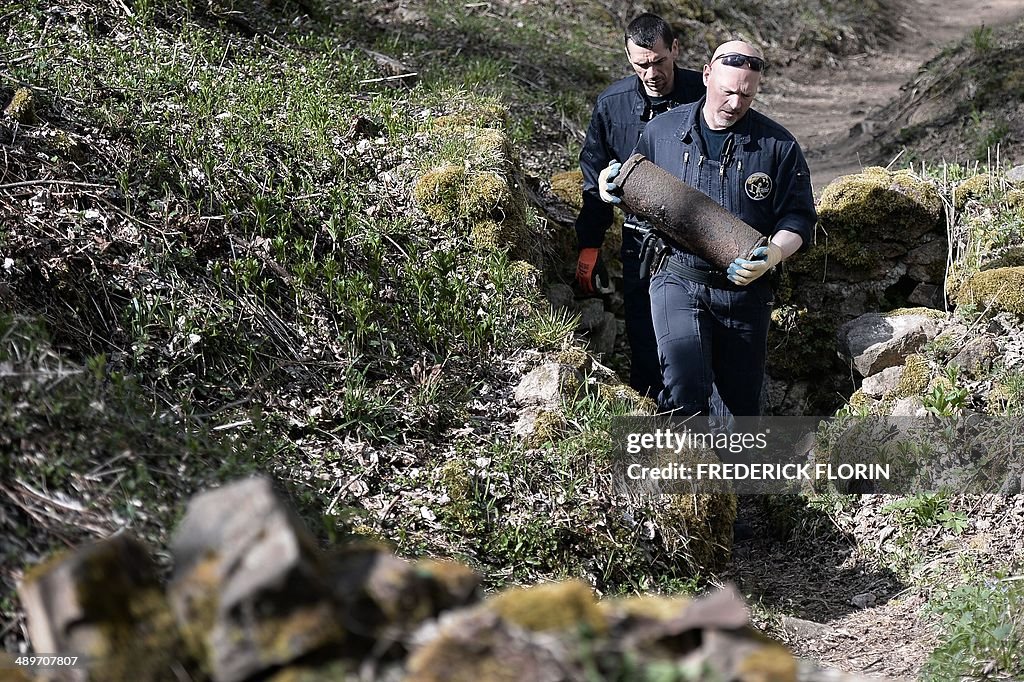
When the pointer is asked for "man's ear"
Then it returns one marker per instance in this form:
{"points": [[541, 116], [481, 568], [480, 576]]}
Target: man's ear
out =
{"points": [[707, 74], [675, 48]]}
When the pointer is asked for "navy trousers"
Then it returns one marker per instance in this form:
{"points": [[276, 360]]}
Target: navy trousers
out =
{"points": [[710, 338], [644, 364]]}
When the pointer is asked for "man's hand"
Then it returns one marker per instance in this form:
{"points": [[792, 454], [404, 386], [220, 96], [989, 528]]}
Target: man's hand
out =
{"points": [[605, 187], [764, 258], [591, 273]]}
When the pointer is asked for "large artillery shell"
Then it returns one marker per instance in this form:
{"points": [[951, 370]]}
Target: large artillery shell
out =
{"points": [[686, 215]]}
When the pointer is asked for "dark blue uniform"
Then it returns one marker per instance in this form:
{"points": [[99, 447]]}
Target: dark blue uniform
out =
{"points": [[716, 336], [620, 115]]}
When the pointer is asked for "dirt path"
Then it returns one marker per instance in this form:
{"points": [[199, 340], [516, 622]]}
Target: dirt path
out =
{"points": [[826, 108]]}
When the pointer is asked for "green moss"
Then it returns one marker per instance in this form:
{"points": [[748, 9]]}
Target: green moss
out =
{"points": [[487, 194], [1015, 200], [568, 187], [802, 342], [973, 188], [282, 638], [463, 510], [914, 377], [22, 106], [859, 400], [548, 426], [645, 607], [439, 192], [563, 606], [877, 205], [996, 290], [767, 663], [627, 394], [576, 358], [930, 313]]}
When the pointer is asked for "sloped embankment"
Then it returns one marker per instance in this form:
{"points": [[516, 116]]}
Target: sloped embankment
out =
{"points": [[963, 106]]}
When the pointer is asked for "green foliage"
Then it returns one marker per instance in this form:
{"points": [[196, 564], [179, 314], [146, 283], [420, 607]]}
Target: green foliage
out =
{"points": [[925, 510], [981, 39], [945, 398], [980, 630]]}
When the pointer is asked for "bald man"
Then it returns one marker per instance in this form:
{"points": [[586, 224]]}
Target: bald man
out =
{"points": [[712, 326]]}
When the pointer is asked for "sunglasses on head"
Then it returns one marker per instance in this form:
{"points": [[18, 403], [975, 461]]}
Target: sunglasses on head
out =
{"points": [[737, 59]]}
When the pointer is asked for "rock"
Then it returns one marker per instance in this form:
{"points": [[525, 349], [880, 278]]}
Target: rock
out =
{"points": [[873, 342], [545, 385], [798, 628], [927, 263], [602, 339], [250, 588], [104, 602], [591, 314], [926, 295], [910, 406], [863, 601], [880, 205], [976, 358], [537, 425], [995, 290], [1015, 174], [480, 645], [383, 596], [881, 383], [560, 296]]}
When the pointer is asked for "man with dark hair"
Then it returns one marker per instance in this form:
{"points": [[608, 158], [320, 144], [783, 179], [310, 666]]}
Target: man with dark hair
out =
{"points": [[712, 327], [620, 115]]}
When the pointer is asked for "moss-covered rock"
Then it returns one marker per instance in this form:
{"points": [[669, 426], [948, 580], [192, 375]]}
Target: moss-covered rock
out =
{"points": [[563, 606], [995, 290], [877, 205], [22, 106], [568, 187], [973, 188], [478, 187], [914, 378]]}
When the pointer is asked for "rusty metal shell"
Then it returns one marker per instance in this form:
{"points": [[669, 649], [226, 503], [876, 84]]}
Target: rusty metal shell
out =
{"points": [[686, 215]]}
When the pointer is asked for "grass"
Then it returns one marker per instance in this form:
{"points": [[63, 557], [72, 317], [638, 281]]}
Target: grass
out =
{"points": [[981, 626]]}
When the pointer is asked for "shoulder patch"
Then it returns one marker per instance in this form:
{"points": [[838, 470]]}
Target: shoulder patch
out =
{"points": [[758, 186]]}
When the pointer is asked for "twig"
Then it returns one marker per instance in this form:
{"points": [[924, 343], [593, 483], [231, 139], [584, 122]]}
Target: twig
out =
{"points": [[389, 78], [66, 183], [70, 506]]}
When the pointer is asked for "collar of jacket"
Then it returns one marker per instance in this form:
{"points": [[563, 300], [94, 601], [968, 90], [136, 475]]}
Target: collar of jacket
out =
{"points": [[689, 130], [640, 101]]}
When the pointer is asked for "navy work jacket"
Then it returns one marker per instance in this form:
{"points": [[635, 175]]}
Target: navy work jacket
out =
{"points": [[761, 177], [619, 117]]}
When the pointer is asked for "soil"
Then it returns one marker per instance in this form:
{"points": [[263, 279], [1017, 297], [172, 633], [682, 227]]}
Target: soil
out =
{"points": [[829, 108], [817, 577]]}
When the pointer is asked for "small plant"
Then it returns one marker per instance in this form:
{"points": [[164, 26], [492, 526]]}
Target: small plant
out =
{"points": [[981, 628], [925, 510], [945, 398], [982, 39]]}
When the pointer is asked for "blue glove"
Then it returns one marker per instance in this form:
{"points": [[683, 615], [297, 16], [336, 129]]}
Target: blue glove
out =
{"points": [[763, 259], [605, 187]]}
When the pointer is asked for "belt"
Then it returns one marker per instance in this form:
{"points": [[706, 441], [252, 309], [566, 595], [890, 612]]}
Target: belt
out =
{"points": [[656, 255], [715, 279]]}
